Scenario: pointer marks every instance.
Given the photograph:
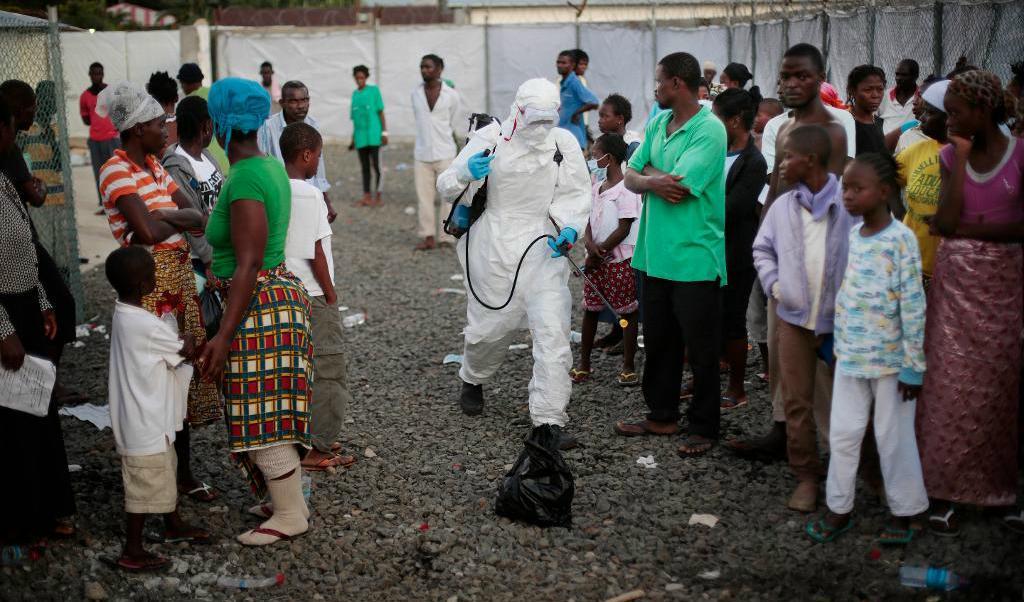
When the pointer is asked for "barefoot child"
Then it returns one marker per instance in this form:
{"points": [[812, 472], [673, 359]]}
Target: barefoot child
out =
{"points": [[879, 347], [610, 237], [308, 256], [148, 387]]}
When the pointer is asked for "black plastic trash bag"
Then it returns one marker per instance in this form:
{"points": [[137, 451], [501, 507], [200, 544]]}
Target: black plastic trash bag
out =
{"points": [[539, 488], [212, 310]]}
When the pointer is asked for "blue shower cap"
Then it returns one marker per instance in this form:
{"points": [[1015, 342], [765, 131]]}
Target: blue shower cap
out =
{"points": [[237, 104]]}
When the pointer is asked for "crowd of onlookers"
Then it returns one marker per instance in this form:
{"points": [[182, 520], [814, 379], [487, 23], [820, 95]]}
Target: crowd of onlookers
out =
{"points": [[869, 248]]}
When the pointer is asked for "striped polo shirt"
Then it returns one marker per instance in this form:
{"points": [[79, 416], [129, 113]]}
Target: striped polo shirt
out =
{"points": [[119, 176]]}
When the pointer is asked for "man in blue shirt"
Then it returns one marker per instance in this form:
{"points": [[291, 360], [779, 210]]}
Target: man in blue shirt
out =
{"points": [[576, 98]]}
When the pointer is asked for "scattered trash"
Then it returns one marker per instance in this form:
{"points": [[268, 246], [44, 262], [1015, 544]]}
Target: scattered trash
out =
{"points": [[575, 337], [307, 486], [715, 574], [401, 166], [342, 308], [424, 527], [646, 462], [78, 344], [518, 347], [369, 453], [74, 468], [218, 510], [100, 328], [354, 320], [450, 291], [456, 278], [94, 591], [410, 210], [16, 555], [673, 587], [98, 415], [931, 577], [242, 583], [628, 596], [708, 520], [452, 358], [82, 330], [874, 554], [539, 488], [640, 341]]}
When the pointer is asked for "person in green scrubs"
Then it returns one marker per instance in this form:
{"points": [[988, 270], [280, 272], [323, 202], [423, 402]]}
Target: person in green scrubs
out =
{"points": [[369, 132]]}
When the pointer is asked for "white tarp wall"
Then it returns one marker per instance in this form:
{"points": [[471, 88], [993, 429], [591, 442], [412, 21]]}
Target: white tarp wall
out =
{"points": [[487, 63], [131, 55]]}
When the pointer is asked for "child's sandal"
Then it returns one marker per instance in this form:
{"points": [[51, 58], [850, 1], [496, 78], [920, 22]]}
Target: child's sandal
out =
{"points": [[579, 376]]}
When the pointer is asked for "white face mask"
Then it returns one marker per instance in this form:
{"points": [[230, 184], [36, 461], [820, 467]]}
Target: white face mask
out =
{"points": [[535, 133], [600, 173]]}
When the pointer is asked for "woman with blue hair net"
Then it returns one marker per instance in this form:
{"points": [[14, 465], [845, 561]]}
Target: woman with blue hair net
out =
{"points": [[266, 317], [536, 178]]}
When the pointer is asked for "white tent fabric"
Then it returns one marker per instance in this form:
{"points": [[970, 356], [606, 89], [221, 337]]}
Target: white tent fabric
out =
{"points": [[899, 34], [522, 52], [630, 74], [131, 56], [770, 47], [848, 46], [322, 60]]}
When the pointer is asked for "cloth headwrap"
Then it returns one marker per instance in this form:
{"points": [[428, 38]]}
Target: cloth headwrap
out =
{"points": [[237, 104], [830, 96], [127, 105], [983, 88]]}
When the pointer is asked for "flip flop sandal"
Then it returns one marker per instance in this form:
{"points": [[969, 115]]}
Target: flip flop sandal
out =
{"points": [[628, 379], [271, 532], [138, 566], [819, 531], [695, 441], [578, 376], [896, 536], [1015, 522], [345, 461], [336, 447], [942, 524], [329, 464], [730, 402], [193, 539], [203, 493], [639, 429]]}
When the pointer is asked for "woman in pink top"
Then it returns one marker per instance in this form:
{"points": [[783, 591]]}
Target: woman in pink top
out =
{"points": [[610, 237], [967, 414]]}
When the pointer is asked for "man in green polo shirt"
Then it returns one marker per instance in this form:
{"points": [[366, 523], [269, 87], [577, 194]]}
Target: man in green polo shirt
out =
{"points": [[680, 248]]}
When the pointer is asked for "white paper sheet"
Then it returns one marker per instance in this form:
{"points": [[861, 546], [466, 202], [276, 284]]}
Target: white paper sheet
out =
{"points": [[98, 415], [28, 389]]}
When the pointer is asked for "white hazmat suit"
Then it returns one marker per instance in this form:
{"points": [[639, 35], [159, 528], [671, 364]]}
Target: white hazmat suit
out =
{"points": [[526, 189]]}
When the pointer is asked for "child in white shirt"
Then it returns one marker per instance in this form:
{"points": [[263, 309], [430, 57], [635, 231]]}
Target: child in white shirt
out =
{"points": [[148, 387], [308, 255]]}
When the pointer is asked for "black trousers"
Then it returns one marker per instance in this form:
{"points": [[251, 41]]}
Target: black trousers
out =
{"points": [[369, 154], [682, 316]]}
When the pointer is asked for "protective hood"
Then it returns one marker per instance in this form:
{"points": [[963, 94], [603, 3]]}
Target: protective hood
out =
{"points": [[534, 113]]}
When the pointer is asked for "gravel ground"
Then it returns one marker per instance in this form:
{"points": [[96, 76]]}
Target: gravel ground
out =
{"points": [[413, 518]]}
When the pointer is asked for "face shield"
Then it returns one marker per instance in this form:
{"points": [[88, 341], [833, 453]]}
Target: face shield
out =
{"points": [[534, 112]]}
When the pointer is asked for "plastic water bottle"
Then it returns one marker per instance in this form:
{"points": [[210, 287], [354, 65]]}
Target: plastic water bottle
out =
{"points": [[355, 319], [17, 555], [241, 583], [931, 577]]}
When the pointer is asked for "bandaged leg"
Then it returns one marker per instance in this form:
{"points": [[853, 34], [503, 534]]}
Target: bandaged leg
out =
{"points": [[280, 467], [548, 312]]}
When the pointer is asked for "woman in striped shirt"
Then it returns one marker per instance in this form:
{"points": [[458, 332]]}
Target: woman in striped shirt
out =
{"points": [[145, 207]]}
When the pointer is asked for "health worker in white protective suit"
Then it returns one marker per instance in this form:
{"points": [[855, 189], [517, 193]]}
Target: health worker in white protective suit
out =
{"points": [[536, 178]]}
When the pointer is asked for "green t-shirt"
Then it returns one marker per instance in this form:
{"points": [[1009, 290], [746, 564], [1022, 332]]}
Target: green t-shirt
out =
{"points": [[260, 179], [365, 113], [214, 148], [684, 242]]}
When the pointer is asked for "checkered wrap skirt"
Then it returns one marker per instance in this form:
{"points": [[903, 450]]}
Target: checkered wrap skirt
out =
{"points": [[267, 382]]}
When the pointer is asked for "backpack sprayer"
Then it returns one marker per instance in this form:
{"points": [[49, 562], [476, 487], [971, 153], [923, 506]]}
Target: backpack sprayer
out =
{"points": [[457, 227]]}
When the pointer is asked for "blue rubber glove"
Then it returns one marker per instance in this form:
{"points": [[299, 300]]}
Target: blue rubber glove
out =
{"points": [[565, 240], [461, 217], [479, 165]]}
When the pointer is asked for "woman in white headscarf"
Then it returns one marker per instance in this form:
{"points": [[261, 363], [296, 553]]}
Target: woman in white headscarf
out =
{"points": [[537, 184], [145, 207]]}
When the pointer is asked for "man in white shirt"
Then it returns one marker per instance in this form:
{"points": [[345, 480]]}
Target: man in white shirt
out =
{"points": [[294, 108], [897, 105], [437, 109]]}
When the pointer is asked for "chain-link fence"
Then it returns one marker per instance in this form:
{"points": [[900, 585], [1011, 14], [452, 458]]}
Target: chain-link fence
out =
{"points": [[30, 52]]}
